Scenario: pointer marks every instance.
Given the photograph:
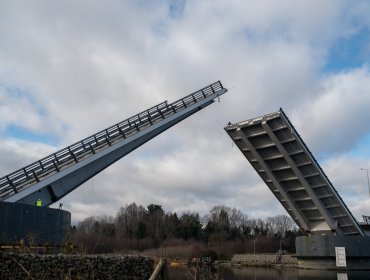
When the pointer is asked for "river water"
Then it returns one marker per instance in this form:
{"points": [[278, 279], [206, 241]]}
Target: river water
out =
{"points": [[258, 273]]}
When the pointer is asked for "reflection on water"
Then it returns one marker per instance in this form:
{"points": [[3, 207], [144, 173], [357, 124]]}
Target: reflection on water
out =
{"points": [[258, 273]]}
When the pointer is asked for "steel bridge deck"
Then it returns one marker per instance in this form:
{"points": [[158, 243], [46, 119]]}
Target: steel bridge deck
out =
{"points": [[281, 158], [56, 175]]}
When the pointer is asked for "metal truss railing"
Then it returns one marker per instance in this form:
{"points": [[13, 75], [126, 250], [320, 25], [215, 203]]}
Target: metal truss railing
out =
{"points": [[17, 181]]}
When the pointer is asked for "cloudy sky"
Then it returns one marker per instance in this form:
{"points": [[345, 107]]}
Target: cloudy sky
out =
{"points": [[71, 68]]}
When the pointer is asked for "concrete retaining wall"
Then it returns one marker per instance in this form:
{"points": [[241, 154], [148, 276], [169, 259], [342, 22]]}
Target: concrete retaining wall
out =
{"points": [[20, 266], [263, 259]]}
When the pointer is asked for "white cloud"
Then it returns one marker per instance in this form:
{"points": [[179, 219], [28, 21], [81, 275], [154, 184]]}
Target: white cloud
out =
{"points": [[14, 154], [344, 171], [19, 108], [336, 116]]}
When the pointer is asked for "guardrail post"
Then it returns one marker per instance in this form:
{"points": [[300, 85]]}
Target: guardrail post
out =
{"points": [[12, 185]]}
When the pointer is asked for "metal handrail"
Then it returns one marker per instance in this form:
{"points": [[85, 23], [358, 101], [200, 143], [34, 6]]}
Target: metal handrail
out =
{"points": [[39, 170]]}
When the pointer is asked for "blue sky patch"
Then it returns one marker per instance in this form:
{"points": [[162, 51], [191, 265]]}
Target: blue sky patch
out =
{"points": [[15, 131], [349, 52], [176, 8], [362, 149]]}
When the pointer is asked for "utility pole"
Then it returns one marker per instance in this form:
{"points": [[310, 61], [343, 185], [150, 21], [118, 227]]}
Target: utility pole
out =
{"points": [[367, 174]]}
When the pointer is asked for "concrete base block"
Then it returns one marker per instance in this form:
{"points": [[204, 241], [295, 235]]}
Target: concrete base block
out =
{"points": [[318, 252]]}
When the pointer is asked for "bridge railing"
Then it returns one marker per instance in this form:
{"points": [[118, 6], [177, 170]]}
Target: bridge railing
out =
{"points": [[41, 169]]}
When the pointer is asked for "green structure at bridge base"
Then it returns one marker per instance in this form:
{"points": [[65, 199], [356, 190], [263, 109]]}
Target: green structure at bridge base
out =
{"points": [[318, 252]]}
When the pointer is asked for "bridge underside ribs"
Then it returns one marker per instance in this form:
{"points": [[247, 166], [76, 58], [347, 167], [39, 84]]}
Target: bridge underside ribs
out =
{"points": [[278, 154]]}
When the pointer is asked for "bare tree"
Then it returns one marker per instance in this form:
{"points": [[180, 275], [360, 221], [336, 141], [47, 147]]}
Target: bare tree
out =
{"points": [[128, 220], [280, 224]]}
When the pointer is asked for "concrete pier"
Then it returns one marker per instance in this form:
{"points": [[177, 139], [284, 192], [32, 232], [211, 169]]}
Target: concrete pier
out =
{"points": [[318, 251]]}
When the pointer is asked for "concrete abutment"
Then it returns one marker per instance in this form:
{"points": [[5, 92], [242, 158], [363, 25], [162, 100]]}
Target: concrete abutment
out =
{"points": [[318, 251]]}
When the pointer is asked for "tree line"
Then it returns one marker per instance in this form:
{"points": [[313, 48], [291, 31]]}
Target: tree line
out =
{"points": [[136, 227]]}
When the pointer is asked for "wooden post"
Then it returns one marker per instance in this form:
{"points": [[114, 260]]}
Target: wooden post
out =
{"points": [[160, 269]]}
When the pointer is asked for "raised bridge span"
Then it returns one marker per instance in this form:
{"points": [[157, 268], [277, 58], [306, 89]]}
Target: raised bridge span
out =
{"points": [[54, 176], [277, 152], [270, 143]]}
